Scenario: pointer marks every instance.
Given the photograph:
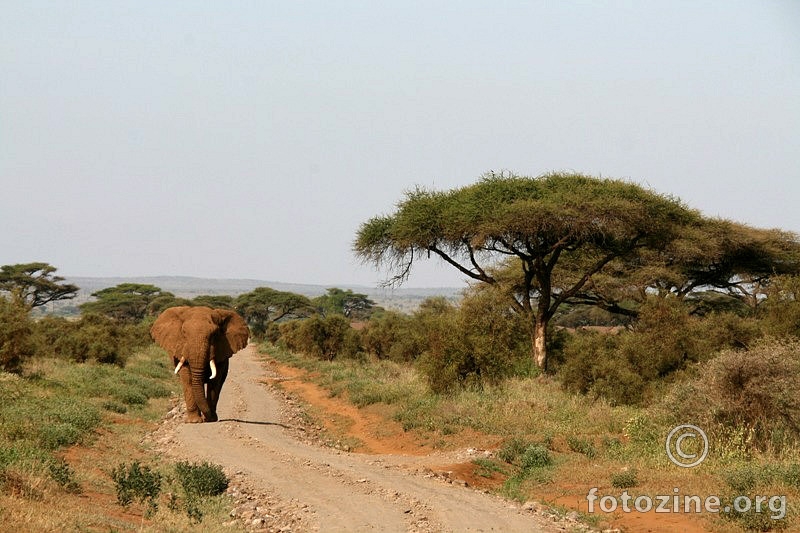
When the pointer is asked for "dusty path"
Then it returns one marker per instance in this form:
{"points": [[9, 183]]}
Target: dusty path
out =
{"points": [[328, 490]]}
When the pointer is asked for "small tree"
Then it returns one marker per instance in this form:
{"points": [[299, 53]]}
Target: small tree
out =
{"points": [[543, 223], [351, 304], [34, 284], [129, 302], [264, 306]]}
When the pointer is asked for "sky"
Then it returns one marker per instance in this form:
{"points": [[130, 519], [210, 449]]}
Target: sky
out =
{"points": [[251, 139]]}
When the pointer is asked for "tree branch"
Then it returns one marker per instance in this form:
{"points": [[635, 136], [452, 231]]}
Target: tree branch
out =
{"points": [[563, 296], [461, 268]]}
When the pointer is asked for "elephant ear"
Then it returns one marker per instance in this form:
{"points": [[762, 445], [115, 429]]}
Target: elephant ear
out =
{"points": [[235, 332], [167, 331]]}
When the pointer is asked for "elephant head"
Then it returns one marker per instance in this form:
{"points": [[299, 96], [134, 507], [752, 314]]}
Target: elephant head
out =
{"points": [[200, 341]]}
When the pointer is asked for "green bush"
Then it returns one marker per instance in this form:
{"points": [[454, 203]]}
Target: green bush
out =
{"points": [[115, 407], [755, 391], [324, 338], [512, 449], [594, 364], [393, 336], [535, 456], [201, 479], [66, 422], [480, 343], [139, 483], [15, 336], [58, 435], [625, 480], [584, 446], [628, 368], [92, 338], [64, 475], [782, 307]]}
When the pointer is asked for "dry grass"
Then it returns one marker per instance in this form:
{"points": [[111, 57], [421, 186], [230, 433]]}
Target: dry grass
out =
{"points": [[538, 410], [33, 499]]}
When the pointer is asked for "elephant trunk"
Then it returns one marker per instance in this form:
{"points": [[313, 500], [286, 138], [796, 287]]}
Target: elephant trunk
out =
{"points": [[199, 393]]}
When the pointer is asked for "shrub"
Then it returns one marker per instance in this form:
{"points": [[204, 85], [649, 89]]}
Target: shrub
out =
{"points": [[394, 336], [481, 342], [15, 335], [756, 391], [625, 480], [627, 368], [54, 436], [594, 364], [535, 456], [64, 475], [139, 483], [512, 449], [782, 307], [115, 407], [583, 446], [324, 338], [201, 479], [94, 337]]}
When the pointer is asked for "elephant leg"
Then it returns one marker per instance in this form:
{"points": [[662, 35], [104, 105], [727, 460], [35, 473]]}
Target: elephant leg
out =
{"points": [[192, 412], [215, 386]]}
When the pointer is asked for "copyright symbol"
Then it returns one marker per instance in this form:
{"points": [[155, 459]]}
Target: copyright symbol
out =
{"points": [[677, 448]]}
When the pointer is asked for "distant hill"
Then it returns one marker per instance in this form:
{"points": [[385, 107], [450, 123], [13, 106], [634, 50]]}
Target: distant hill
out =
{"points": [[402, 299]]}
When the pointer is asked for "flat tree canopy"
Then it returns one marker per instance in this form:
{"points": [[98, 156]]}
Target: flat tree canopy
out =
{"points": [[353, 305], [129, 301], [265, 305], [34, 284], [715, 256], [577, 221]]}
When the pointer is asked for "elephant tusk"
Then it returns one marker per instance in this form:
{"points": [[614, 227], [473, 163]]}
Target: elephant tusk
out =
{"points": [[180, 364], [213, 369]]}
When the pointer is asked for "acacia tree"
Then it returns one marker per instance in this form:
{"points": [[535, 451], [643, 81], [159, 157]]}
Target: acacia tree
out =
{"points": [[265, 305], [34, 284], [715, 256], [130, 302], [351, 304], [541, 223]]}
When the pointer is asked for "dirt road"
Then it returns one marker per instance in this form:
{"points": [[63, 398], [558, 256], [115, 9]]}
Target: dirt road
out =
{"points": [[304, 487]]}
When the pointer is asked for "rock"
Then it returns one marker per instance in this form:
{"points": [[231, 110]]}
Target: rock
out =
{"points": [[257, 522], [460, 482], [573, 516], [530, 506]]}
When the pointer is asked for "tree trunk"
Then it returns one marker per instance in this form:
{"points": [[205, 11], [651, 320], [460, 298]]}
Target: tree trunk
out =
{"points": [[539, 341]]}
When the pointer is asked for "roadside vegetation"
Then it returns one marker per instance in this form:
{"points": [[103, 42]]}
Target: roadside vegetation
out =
{"points": [[602, 315], [78, 396]]}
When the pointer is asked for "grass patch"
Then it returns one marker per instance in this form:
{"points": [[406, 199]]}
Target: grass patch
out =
{"points": [[64, 427], [488, 467], [581, 445]]}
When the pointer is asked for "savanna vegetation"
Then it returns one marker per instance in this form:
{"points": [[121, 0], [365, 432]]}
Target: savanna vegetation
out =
{"points": [[79, 395], [602, 314]]}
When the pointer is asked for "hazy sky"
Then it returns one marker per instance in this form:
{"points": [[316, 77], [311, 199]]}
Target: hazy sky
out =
{"points": [[250, 139]]}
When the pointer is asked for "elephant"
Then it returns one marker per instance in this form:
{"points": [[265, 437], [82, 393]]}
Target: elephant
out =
{"points": [[200, 340]]}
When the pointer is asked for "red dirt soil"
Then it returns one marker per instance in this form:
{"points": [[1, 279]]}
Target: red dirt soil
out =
{"points": [[382, 435]]}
